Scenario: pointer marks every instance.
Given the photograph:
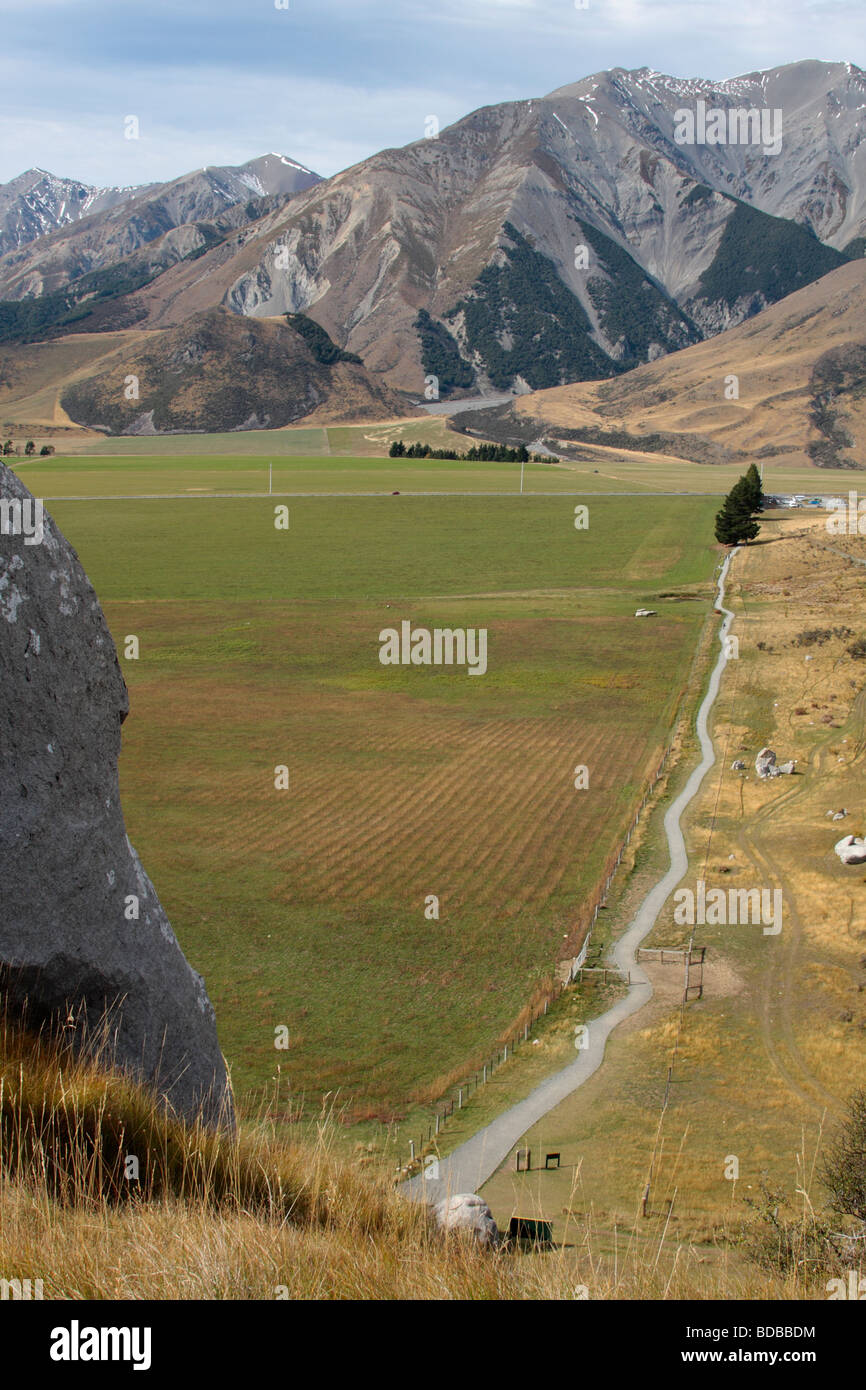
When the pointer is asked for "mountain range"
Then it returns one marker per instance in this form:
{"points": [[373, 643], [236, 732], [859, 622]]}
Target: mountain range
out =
{"points": [[530, 245], [788, 385]]}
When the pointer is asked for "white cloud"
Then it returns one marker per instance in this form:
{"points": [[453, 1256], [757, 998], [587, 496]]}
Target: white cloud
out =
{"points": [[226, 118], [332, 81]]}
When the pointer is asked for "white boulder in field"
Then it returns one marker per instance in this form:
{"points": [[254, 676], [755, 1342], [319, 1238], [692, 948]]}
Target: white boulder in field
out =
{"points": [[765, 763], [468, 1214], [851, 850]]}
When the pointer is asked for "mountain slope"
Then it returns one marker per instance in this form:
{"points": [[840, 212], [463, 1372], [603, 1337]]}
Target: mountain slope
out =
{"points": [[594, 180], [65, 230], [37, 203], [219, 372], [818, 176], [798, 370]]}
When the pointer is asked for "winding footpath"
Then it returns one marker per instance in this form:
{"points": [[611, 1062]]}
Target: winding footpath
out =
{"points": [[472, 1163]]}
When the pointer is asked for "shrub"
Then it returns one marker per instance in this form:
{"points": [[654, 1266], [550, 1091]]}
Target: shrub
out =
{"points": [[817, 636], [844, 1168], [784, 1242]]}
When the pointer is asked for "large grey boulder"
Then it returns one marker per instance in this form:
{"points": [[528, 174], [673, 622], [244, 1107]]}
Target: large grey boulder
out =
{"points": [[765, 763], [82, 933], [469, 1215]]}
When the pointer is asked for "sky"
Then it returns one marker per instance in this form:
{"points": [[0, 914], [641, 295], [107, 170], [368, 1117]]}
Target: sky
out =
{"points": [[329, 82]]}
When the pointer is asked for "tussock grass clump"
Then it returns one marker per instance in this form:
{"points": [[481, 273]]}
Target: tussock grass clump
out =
{"points": [[85, 1135], [212, 1214]]}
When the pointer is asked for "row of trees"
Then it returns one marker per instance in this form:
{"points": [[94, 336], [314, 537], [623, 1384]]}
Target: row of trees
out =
{"points": [[736, 522], [479, 453], [29, 449]]}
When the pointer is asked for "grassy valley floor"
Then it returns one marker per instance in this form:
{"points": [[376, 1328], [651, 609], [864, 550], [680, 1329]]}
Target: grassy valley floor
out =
{"points": [[762, 1065], [305, 909]]}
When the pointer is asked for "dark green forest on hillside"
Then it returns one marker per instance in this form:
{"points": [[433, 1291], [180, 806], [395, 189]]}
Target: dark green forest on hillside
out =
{"points": [[50, 315], [323, 348], [440, 355], [46, 315], [763, 255], [524, 303], [631, 309]]}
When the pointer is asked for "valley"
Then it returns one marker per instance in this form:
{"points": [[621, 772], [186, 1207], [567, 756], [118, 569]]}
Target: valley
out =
{"points": [[389, 767], [763, 1062], [433, 877]]}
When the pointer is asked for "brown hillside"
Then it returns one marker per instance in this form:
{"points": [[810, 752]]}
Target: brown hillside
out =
{"points": [[801, 369], [220, 372]]}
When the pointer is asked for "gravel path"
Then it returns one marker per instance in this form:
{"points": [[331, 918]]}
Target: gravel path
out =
{"points": [[470, 1165]]}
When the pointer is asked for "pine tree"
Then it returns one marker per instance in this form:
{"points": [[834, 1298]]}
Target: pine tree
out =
{"points": [[756, 492], [735, 523]]}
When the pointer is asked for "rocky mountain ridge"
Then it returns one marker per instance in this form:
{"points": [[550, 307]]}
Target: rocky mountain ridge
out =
{"points": [[533, 243]]}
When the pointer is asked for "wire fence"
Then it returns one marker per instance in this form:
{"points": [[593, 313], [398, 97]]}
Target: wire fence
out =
{"points": [[581, 933]]}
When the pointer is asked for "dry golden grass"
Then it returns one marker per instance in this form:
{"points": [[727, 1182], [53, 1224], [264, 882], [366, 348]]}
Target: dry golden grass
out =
{"points": [[245, 1217], [772, 355], [767, 1060], [34, 375], [804, 696]]}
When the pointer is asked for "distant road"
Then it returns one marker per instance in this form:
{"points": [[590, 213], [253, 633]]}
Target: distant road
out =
{"points": [[470, 403], [385, 492], [472, 1163]]}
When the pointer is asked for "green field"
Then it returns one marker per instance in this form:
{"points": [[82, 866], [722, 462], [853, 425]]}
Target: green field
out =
{"points": [[259, 648], [344, 460], [189, 475], [298, 441]]}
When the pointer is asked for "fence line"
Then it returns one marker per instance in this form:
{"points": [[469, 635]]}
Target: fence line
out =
{"points": [[576, 969], [610, 867]]}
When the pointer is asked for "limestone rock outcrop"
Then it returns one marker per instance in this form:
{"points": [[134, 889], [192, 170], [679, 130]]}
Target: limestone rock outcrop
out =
{"points": [[765, 763], [83, 937], [851, 850], [469, 1215]]}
